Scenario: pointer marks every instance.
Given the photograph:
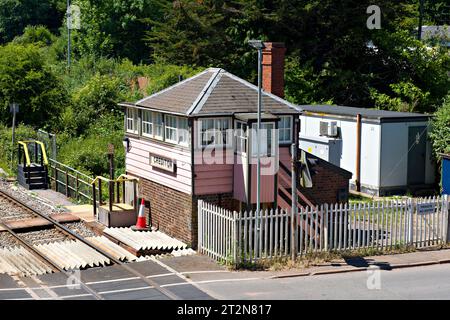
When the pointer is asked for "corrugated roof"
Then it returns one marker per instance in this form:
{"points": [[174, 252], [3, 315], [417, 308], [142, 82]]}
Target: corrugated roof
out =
{"points": [[146, 240], [365, 113], [214, 92], [20, 261]]}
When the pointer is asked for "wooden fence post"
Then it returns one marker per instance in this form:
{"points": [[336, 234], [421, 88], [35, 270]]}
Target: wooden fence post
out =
{"points": [[94, 199], [100, 192], [111, 195], [67, 183], [410, 221], [56, 178], [236, 244], [77, 187]]}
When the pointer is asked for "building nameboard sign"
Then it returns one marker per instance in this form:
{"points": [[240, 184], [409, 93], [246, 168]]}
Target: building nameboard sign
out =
{"points": [[162, 163], [426, 208]]}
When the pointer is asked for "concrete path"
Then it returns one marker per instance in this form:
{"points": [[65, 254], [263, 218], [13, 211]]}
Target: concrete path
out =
{"points": [[427, 282], [385, 262], [55, 198]]}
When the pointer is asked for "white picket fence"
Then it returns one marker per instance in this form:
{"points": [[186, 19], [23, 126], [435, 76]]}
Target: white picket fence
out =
{"points": [[244, 237]]}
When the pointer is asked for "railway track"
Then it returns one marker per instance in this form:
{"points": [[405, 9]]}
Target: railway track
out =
{"points": [[72, 235]]}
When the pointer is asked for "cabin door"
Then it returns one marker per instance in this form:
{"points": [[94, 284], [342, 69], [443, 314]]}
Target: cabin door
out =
{"points": [[416, 156]]}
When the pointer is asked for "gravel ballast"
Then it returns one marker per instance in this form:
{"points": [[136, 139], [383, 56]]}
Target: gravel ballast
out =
{"points": [[11, 212]]}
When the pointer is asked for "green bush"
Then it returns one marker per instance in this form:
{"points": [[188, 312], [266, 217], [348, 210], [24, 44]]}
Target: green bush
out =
{"points": [[440, 133], [97, 98], [25, 78], [88, 153], [22, 133]]}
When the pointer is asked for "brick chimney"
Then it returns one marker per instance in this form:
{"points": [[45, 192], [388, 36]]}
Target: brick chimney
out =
{"points": [[273, 68]]}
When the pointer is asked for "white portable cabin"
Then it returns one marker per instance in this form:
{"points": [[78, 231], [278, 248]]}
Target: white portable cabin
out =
{"points": [[394, 153]]}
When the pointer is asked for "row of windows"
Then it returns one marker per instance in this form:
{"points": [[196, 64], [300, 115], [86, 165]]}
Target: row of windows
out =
{"points": [[170, 128], [213, 132]]}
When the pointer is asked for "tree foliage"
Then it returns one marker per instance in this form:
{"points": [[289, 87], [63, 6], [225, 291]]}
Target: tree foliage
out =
{"points": [[440, 133], [114, 28], [26, 79], [15, 15], [329, 56]]}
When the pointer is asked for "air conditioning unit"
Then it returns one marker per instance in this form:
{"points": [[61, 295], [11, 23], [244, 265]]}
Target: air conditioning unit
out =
{"points": [[329, 129], [332, 129]]}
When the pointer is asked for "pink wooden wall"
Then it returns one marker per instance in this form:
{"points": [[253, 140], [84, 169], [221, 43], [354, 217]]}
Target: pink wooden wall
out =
{"points": [[138, 159], [212, 178], [240, 176], [267, 184]]}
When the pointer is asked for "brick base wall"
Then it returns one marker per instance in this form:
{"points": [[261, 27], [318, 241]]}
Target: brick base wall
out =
{"points": [[170, 210], [175, 213], [326, 186]]}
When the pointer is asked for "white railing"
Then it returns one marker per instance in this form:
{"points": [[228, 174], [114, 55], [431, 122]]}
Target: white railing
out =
{"points": [[384, 225]]}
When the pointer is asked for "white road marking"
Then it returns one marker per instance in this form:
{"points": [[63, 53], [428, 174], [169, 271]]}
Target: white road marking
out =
{"points": [[50, 292], [126, 290], [209, 281], [112, 280], [28, 290], [206, 271]]}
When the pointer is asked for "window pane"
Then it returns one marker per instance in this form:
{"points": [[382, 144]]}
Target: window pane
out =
{"points": [[183, 131], [285, 129], [147, 127], [215, 131], [132, 120]]}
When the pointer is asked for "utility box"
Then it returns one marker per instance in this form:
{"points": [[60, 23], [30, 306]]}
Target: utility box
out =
{"points": [[325, 148], [122, 215]]}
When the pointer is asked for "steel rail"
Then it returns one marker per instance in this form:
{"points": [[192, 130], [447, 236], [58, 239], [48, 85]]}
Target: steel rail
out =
{"points": [[69, 232]]}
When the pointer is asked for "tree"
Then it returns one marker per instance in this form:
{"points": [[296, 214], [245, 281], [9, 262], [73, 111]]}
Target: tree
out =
{"points": [[440, 132], [98, 98], [329, 57], [38, 35], [114, 28], [15, 15], [26, 79]]}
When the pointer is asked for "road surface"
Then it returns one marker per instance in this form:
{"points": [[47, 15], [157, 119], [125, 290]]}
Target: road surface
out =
{"points": [[427, 282]]}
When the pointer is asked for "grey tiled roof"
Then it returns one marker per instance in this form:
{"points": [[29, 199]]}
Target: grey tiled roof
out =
{"points": [[214, 92], [178, 98]]}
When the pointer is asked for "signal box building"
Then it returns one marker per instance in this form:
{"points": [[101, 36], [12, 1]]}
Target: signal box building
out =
{"points": [[197, 140]]}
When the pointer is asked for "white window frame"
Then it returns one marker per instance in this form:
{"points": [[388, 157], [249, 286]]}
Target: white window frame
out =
{"points": [[158, 125], [168, 128], [180, 124], [216, 131], [183, 131], [284, 129], [241, 137], [147, 123], [274, 143], [132, 116]]}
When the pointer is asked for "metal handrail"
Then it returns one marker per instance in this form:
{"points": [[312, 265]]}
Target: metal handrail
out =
{"points": [[71, 169], [44, 152], [121, 178], [25, 143], [25, 149]]}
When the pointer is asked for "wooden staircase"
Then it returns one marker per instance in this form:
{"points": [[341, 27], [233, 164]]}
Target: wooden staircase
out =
{"points": [[306, 221], [32, 175]]}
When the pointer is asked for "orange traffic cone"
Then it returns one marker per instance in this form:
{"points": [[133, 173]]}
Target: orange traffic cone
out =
{"points": [[141, 224]]}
